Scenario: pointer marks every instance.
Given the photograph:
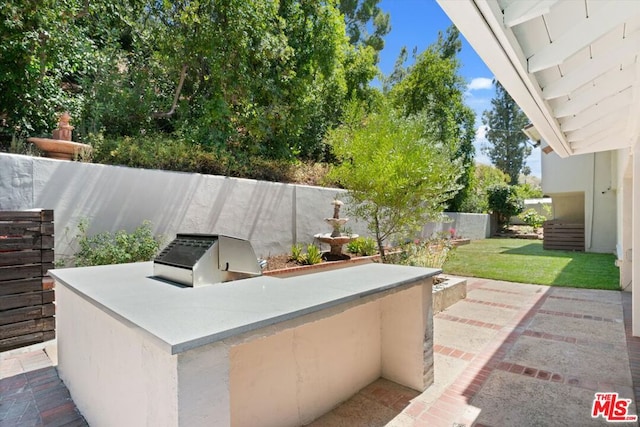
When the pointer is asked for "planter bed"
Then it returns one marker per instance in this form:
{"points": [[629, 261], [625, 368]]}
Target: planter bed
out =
{"points": [[448, 291], [323, 266]]}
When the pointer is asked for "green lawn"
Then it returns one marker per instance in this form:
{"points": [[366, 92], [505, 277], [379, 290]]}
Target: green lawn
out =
{"points": [[517, 260]]}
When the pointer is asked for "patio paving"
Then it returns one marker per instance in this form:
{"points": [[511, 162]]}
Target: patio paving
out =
{"points": [[31, 393], [509, 354], [514, 354]]}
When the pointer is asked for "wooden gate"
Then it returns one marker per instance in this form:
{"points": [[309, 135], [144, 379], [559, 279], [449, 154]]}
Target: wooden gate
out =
{"points": [[26, 295]]}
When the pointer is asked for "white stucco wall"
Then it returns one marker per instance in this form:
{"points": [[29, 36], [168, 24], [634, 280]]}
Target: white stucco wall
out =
{"points": [[272, 216], [569, 207], [287, 373], [468, 225], [296, 373], [603, 237], [591, 178], [571, 174], [126, 378]]}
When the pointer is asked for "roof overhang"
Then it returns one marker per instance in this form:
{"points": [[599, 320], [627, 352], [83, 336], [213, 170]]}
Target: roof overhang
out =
{"points": [[572, 66]]}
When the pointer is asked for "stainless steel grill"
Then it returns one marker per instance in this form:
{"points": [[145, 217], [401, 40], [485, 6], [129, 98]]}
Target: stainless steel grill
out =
{"points": [[203, 259]]}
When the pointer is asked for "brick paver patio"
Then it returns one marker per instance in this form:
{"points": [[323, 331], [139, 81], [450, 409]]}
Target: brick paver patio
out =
{"points": [[509, 354], [31, 393]]}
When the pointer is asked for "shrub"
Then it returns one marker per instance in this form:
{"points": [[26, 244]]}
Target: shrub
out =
{"points": [[532, 218], [504, 202], [364, 246], [157, 151], [296, 254], [432, 253], [313, 255], [121, 247]]}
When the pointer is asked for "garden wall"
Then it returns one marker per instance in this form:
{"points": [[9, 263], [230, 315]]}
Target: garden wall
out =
{"points": [[272, 216], [468, 225]]}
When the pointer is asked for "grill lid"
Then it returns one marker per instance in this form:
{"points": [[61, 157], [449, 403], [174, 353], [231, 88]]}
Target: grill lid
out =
{"points": [[201, 259], [186, 249]]}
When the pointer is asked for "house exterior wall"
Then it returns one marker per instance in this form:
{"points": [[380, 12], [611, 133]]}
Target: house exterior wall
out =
{"points": [[569, 207], [584, 189], [568, 175]]}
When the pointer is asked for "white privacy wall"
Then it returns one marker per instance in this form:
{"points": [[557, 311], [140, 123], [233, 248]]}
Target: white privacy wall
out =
{"points": [[272, 216]]}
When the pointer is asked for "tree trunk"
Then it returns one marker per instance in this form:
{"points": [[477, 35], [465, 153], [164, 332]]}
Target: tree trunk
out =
{"points": [[176, 97], [379, 238]]}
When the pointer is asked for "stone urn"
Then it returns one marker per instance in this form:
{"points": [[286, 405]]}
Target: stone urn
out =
{"points": [[60, 145]]}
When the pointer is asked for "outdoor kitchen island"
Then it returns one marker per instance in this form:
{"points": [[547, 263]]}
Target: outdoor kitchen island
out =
{"points": [[268, 351]]}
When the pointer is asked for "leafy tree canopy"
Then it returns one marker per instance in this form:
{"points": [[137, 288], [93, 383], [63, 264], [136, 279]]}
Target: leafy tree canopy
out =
{"points": [[247, 77], [504, 202], [433, 87], [397, 176], [360, 17], [484, 176]]}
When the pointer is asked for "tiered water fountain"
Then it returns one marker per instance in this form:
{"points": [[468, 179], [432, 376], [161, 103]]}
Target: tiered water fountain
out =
{"points": [[336, 239], [60, 146]]}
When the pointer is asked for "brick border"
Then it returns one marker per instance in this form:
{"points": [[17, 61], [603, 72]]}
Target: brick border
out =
{"points": [[452, 405]]}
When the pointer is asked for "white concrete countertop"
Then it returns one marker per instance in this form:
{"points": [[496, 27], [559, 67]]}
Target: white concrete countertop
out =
{"points": [[182, 318]]}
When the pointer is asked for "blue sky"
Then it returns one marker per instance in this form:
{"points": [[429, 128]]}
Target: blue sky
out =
{"points": [[415, 23]]}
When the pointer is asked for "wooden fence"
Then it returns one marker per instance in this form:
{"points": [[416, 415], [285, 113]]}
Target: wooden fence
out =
{"points": [[563, 235], [26, 295]]}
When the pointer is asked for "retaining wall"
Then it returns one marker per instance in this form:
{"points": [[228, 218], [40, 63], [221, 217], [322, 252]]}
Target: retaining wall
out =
{"points": [[272, 216]]}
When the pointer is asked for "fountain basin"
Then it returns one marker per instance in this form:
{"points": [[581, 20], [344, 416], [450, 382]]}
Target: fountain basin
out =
{"points": [[340, 240], [59, 148], [335, 243], [336, 222]]}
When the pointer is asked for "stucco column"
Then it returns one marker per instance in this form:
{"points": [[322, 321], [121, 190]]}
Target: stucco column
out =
{"points": [[635, 242], [625, 236]]}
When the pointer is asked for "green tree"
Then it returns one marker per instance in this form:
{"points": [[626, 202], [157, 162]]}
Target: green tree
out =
{"points": [[45, 49], [484, 177], [434, 88], [449, 43], [396, 176], [399, 71], [504, 202], [362, 15], [529, 191], [508, 147], [246, 77]]}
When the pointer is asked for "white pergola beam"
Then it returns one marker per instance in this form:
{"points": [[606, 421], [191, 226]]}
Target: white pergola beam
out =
{"points": [[593, 68], [614, 120], [481, 22], [604, 18], [608, 84], [633, 126], [523, 11], [607, 106], [602, 138], [614, 142]]}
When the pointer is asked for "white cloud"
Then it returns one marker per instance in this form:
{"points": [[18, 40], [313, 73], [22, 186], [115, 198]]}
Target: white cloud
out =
{"points": [[481, 132], [480, 83]]}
